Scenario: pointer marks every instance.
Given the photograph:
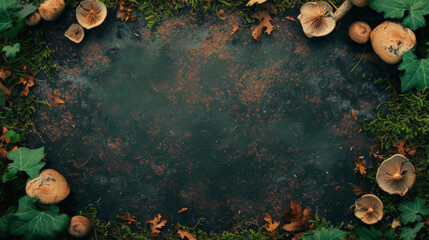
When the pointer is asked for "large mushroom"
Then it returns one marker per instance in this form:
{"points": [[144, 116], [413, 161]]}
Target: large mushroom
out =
{"points": [[369, 209], [75, 33], [318, 20], [33, 19], [390, 40], [50, 187], [50, 10], [396, 175], [359, 32], [80, 226], [91, 13]]}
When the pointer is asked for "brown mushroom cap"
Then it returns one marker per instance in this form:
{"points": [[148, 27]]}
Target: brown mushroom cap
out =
{"points": [[33, 19], [396, 175], [369, 209], [49, 187], [390, 40], [80, 226], [75, 33], [91, 14], [359, 32], [50, 10], [360, 3], [316, 19]]}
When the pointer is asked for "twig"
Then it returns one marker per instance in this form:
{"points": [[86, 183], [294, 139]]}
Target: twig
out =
{"points": [[208, 55], [360, 59], [89, 159]]}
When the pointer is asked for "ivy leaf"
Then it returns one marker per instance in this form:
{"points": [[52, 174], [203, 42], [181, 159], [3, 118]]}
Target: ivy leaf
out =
{"points": [[12, 136], [24, 12], [5, 222], [8, 8], [327, 234], [416, 71], [389, 235], [413, 211], [396, 9], [36, 224], [368, 234], [28, 160], [411, 233], [12, 50]]}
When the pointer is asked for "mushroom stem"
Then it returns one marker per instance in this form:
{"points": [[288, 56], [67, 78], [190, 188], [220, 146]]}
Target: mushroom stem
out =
{"points": [[370, 210], [342, 10], [397, 176]]}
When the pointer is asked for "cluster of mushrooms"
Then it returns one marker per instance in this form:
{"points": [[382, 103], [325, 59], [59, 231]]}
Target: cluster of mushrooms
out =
{"points": [[396, 175], [50, 187], [49, 10], [389, 39]]}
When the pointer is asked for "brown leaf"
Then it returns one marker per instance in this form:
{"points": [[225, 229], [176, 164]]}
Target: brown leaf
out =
{"points": [[3, 138], [396, 223], [297, 220], [28, 81], [129, 218], [14, 148], [271, 226], [377, 155], [357, 189], [57, 97], [264, 17], [234, 29], [400, 147], [5, 73], [251, 2], [121, 15], [353, 115], [185, 233], [182, 210], [3, 153], [124, 13], [297, 236], [290, 19], [360, 165], [156, 223]]}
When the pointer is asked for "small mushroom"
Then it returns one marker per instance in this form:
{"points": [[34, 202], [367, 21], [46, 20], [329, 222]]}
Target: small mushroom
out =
{"points": [[396, 175], [91, 14], [75, 33], [390, 40], [359, 32], [50, 10], [369, 209], [50, 187], [80, 226], [33, 19]]}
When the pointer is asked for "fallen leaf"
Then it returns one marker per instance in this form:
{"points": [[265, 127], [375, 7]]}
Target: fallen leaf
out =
{"points": [[403, 148], [234, 29], [360, 165], [124, 13], [14, 148], [396, 222], [129, 218], [182, 210], [5, 73], [264, 17], [357, 189], [28, 81], [271, 226], [353, 115], [3, 152], [290, 18], [3, 137], [185, 233], [297, 236], [251, 2], [377, 155], [156, 223], [57, 97], [297, 219]]}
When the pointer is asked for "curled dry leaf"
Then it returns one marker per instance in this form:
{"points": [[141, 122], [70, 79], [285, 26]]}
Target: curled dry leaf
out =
{"points": [[156, 223], [182, 210], [234, 29], [271, 226], [360, 165], [5, 73], [130, 219], [124, 13], [28, 81], [251, 2], [353, 115], [404, 148], [185, 233], [263, 15], [377, 155], [358, 190], [57, 97], [297, 220]]}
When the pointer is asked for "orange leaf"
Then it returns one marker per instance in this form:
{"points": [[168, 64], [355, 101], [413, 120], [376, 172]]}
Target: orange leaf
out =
{"points": [[28, 82], [3, 137], [185, 233], [57, 97], [156, 223], [400, 147], [234, 29], [297, 220], [271, 226], [129, 218], [14, 148], [360, 165], [377, 155], [358, 190], [3, 152], [182, 210], [353, 115], [290, 18]]}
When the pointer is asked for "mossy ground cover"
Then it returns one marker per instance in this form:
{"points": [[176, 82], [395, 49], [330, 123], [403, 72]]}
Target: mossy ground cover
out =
{"points": [[404, 117]]}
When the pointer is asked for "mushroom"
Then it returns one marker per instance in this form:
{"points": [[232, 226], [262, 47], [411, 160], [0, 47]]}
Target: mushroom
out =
{"points": [[75, 33], [359, 32], [50, 187], [50, 10], [318, 20], [33, 19], [390, 40], [369, 209], [80, 226], [396, 175], [91, 14]]}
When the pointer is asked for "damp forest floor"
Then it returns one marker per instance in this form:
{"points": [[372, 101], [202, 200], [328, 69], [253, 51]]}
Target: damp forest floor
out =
{"points": [[173, 114]]}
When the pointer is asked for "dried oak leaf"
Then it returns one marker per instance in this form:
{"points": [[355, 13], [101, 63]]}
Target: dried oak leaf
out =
{"points": [[297, 220], [263, 15], [404, 148], [358, 190], [124, 13], [185, 233], [360, 165], [271, 226], [28, 81], [130, 219], [377, 155], [57, 97], [156, 223]]}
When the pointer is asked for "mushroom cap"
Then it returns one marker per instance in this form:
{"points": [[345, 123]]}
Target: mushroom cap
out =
{"points": [[396, 175], [360, 3], [359, 32], [50, 187], [75, 33], [390, 40], [369, 209], [91, 14], [316, 19], [80, 226], [50, 10], [33, 19]]}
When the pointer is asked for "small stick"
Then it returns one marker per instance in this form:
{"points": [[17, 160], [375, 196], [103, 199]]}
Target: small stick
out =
{"points": [[89, 159]]}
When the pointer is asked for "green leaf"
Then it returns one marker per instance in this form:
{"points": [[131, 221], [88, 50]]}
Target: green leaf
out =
{"points": [[389, 235], [12, 136], [368, 234], [412, 211], [28, 160], [416, 72], [410, 233], [327, 234], [396, 9], [12, 50], [5, 222], [36, 224], [8, 8], [27, 10]]}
